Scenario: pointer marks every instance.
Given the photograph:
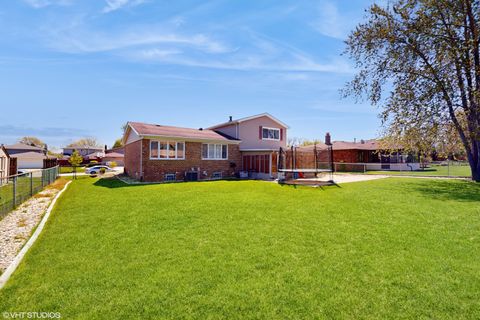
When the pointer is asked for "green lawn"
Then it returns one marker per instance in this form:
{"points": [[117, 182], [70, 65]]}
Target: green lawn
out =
{"points": [[433, 170], [389, 248], [70, 169]]}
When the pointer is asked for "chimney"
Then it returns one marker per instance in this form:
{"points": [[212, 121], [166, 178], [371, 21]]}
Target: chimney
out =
{"points": [[362, 141], [201, 129], [354, 140], [230, 119], [328, 139]]}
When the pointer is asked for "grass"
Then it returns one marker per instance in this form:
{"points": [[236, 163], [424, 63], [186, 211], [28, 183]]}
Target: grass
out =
{"points": [[433, 170], [389, 248], [70, 169]]}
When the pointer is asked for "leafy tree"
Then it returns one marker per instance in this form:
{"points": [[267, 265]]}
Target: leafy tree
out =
{"points": [[75, 161], [32, 141], [118, 143], [426, 54], [85, 142]]}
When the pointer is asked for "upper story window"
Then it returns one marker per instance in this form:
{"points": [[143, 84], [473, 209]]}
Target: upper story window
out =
{"points": [[270, 134], [167, 150], [211, 151]]}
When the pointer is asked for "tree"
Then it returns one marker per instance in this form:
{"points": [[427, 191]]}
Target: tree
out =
{"points": [[118, 143], [85, 142], [32, 141], [426, 53], [75, 161]]}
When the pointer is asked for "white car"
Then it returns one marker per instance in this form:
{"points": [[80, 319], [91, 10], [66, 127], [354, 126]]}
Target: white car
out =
{"points": [[96, 169]]}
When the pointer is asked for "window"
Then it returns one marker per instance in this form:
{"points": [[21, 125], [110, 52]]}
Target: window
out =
{"points": [[166, 150], [212, 151], [270, 134], [170, 177], [217, 175]]}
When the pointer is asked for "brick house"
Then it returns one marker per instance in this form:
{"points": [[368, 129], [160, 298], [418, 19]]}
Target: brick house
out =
{"points": [[165, 153]]}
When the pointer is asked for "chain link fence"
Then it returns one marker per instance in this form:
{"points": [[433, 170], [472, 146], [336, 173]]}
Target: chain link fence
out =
{"points": [[447, 168], [16, 189]]}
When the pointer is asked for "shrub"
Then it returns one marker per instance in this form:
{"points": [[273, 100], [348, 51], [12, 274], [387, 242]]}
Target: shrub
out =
{"points": [[102, 170], [113, 164]]}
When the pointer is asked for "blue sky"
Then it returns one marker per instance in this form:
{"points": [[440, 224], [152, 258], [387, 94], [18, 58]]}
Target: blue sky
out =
{"points": [[70, 68]]}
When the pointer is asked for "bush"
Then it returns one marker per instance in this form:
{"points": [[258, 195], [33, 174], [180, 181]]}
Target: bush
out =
{"points": [[113, 164], [102, 170]]}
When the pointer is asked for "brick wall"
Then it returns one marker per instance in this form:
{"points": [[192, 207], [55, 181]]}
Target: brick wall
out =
{"points": [[132, 159], [155, 170]]}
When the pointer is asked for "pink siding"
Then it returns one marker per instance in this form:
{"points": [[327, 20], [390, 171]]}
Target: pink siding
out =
{"points": [[249, 134], [230, 130]]}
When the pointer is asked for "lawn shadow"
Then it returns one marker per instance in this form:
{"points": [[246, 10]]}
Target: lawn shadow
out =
{"points": [[448, 190]]}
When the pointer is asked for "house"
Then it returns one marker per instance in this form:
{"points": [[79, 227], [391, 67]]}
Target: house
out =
{"points": [[84, 151], [261, 136], [116, 157], [4, 165], [28, 157], [165, 153], [347, 154]]}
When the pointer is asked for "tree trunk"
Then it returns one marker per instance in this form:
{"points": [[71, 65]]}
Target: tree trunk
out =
{"points": [[474, 161]]}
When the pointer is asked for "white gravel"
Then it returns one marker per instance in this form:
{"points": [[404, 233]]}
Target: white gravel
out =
{"points": [[17, 226]]}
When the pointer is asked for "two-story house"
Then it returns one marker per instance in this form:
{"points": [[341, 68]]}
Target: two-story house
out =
{"points": [[165, 153]]}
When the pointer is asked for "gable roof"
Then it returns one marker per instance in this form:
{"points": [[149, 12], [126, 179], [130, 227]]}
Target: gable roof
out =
{"points": [[265, 114], [22, 146], [29, 155], [4, 150], [160, 131], [84, 147], [370, 145]]}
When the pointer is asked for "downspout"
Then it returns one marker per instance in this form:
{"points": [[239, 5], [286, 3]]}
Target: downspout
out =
{"points": [[141, 160]]}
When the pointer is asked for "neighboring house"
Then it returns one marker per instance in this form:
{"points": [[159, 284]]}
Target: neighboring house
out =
{"points": [[23, 148], [4, 165], [82, 150], [165, 153], [261, 137], [370, 153], [28, 157], [116, 157]]}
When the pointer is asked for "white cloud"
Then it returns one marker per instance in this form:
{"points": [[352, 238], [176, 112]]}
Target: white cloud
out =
{"points": [[331, 23], [76, 41], [37, 4], [113, 5]]}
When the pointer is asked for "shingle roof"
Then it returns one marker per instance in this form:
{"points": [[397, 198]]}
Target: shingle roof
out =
{"points": [[370, 145], [21, 146], [84, 147], [29, 155], [145, 129], [114, 155]]}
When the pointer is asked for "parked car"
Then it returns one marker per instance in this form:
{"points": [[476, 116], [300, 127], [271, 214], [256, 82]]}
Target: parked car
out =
{"points": [[96, 169]]}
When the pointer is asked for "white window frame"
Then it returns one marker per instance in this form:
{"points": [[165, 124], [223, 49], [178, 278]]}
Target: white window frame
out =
{"points": [[167, 143], [275, 129], [170, 174], [219, 173], [209, 145]]}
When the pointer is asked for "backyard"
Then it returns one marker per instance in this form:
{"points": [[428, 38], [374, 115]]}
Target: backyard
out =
{"points": [[389, 248]]}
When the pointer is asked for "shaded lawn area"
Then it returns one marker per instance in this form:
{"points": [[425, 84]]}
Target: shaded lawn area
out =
{"points": [[390, 248], [433, 170]]}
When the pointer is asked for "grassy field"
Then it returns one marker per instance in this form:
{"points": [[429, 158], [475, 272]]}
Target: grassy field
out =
{"points": [[433, 170], [389, 248]]}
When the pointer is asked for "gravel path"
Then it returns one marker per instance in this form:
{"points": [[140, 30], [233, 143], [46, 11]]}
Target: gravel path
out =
{"points": [[17, 226]]}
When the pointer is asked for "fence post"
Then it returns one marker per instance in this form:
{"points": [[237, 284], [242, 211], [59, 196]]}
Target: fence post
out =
{"points": [[14, 191], [31, 184]]}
